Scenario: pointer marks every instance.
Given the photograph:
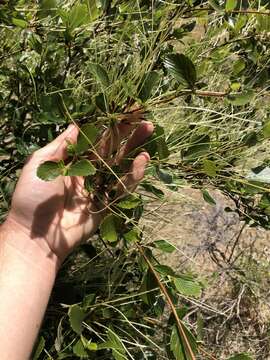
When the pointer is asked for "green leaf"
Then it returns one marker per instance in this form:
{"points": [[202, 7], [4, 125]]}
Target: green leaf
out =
{"points": [[20, 23], [167, 178], [39, 348], [87, 137], [266, 130], [238, 66], [93, 10], [164, 270], [102, 102], [81, 168], [215, 5], [78, 16], [162, 148], [208, 198], [149, 283], [49, 170], [210, 168], [92, 346], [47, 8], [129, 202], [76, 317], [199, 145], [118, 356], [176, 344], [79, 350], [115, 342], [153, 189], [240, 99], [100, 74], [108, 230], [187, 286], [241, 356], [132, 236], [89, 345], [150, 81], [181, 68], [231, 5], [164, 246]]}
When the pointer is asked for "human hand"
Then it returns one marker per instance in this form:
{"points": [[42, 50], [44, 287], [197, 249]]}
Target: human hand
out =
{"points": [[57, 214]]}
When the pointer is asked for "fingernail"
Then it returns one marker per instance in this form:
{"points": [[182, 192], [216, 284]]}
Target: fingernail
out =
{"points": [[71, 127], [146, 156]]}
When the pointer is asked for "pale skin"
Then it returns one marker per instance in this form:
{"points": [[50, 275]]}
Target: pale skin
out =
{"points": [[47, 220]]}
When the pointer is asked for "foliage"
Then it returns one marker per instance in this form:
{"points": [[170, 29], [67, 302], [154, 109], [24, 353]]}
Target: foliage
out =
{"points": [[97, 63]]}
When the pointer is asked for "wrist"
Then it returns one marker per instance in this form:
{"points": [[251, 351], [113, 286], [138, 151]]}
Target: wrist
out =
{"points": [[35, 252]]}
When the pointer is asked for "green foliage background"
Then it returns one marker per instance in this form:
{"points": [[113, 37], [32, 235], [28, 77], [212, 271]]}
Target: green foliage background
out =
{"points": [[200, 71]]}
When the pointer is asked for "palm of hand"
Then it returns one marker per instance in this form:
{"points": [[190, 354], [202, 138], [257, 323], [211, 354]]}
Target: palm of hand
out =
{"points": [[59, 212]]}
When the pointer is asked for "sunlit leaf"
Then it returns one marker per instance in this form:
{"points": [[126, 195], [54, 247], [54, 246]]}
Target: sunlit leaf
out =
{"points": [[187, 286], [81, 168], [231, 5], [87, 137], [78, 15], [208, 198], [164, 246], [108, 228], [49, 170], [129, 202], [132, 236], [79, 350], [210, 168], [89, 345], [240, 99], [20, 23], [266, 130]]}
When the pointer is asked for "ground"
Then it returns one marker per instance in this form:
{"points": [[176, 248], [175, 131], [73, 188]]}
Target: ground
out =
{"points": [[233, 263]]}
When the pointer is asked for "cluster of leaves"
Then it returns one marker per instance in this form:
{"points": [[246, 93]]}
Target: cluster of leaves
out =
{"points": [[91, 62]]}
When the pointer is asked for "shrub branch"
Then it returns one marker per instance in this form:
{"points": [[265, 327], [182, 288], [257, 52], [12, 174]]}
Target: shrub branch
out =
{"points": [[169, 301]]}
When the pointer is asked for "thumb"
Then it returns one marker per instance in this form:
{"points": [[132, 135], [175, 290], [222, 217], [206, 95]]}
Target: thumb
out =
{"points": [[57, 149]]}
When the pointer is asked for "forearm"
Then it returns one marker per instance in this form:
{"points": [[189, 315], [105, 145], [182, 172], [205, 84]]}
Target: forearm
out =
{"points": [[27, 274]]}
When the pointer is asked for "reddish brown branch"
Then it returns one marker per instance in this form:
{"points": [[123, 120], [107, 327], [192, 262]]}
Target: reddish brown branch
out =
{"points": [[248, 11], [174, 312], [191, 92]]}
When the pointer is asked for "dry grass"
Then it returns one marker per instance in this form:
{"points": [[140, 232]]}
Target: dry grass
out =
{"points": [[233, 263]]}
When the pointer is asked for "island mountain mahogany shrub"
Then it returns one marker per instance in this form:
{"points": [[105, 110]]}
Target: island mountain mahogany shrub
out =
{"points": [[100, 63]]}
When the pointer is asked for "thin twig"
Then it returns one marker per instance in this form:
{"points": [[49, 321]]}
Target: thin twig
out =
{"points": [[248, 11], [210, 356], [165, 293], [200, 93], [236, 241]]}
